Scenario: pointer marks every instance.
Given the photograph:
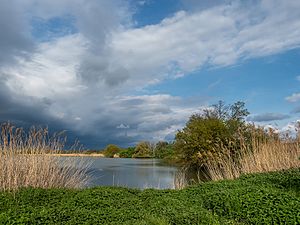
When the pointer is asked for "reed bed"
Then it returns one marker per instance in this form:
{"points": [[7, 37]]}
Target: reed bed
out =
{"points": [[180, 179], [261, 155], [27, 160]]}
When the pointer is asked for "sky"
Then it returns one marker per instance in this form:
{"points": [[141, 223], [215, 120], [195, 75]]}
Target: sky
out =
{"points": [[124, 71]]}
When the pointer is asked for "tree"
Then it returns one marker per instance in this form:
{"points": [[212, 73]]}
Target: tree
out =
{"points": [[205, 133], [163, 150], [127, 153], [111, 150], [238, 111], [217, 111], [143, 149], [198, 140], [224, 112]]}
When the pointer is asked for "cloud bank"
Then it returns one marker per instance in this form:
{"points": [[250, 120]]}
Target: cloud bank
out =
{"points": [[267, 117], [90, 79]]}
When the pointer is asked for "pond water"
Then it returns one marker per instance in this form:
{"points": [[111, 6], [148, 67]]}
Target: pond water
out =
{"points": [[134, 173]]}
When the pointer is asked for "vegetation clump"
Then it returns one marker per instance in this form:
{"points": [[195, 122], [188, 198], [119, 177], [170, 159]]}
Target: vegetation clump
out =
{"points": [[220, 144], [204, 133], [164, 150], [127, 153], [111, 150], [143, 149]]}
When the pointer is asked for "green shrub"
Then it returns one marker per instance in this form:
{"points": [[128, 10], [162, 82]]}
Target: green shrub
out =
{"points": [[163, 150], [111, 150], [127, 153], [206, 133], [143, 149]]}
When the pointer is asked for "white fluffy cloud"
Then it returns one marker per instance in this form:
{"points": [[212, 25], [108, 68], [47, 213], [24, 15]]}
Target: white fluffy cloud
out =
{"points": [[293, 98], [218, 36], [87, 79], [51, 71]]}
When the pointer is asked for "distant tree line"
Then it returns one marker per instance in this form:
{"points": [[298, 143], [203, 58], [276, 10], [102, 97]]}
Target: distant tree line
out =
{"points": [[143, 149]]}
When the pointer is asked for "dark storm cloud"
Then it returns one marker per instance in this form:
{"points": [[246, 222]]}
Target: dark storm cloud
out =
{"points": [[27, 112], [147, 118], [96, 19], [103, 130], [266, 117], [95, 69], [20, 110], [14, 36], [97, 22]]}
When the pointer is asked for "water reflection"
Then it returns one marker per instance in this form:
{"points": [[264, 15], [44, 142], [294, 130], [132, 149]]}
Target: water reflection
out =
{"points": [[134, 173]]}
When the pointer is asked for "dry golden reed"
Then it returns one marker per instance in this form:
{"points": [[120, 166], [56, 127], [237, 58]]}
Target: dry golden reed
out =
{"points": [[26, 160], [262, 155]]}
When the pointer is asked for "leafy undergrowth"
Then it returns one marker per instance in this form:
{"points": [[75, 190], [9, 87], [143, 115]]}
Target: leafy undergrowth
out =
{"points": [[271, 198]]}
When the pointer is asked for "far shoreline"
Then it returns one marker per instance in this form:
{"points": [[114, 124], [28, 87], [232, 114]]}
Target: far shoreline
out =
{"points": [[78, 155]]}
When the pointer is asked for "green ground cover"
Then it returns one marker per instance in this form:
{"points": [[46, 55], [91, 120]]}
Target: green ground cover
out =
{"points": [[271, 198]]}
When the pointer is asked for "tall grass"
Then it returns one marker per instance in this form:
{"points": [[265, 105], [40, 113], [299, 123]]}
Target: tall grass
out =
{"points": [[180, 180], [26, 160], [261, 155]]}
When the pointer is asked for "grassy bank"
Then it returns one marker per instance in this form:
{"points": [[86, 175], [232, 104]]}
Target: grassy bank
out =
{"points": [[270, 198]]}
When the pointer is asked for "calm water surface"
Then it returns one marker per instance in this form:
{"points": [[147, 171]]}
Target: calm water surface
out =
{"points": [[135, 173]]}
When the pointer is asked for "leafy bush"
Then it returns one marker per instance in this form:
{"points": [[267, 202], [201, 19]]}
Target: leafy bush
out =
{"points": [[143, 149], [111, 150], [201, 138], [127, 153], [163, 150]]}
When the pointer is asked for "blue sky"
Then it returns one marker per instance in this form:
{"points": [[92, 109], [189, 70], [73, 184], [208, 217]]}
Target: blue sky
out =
{"points": [[256, 81], [126, 71]]}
